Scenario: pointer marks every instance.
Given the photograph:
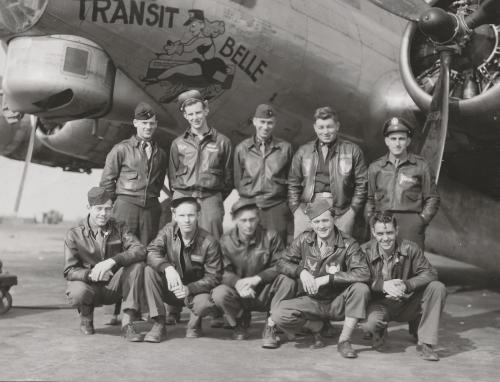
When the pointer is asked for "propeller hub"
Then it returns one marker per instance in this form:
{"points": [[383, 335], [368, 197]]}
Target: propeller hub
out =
{"points": [[438, 25]]}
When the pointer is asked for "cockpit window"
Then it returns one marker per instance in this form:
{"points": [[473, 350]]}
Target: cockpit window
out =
{"points": [[17, 16]]}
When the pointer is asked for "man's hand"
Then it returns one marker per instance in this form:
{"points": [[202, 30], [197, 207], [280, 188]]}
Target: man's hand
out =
{"points": [[181, 291], [102, 270], [173, 279], [246, 292], [320, 281], [395, 288], [308, 282], [247, 282]]}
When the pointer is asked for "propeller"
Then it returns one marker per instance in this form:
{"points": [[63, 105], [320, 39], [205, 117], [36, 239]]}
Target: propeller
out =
{"points": [[27, 161], [449, 33]]}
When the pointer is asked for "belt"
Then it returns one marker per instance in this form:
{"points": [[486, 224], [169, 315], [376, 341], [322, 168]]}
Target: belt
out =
{"points": [[323, 195]]}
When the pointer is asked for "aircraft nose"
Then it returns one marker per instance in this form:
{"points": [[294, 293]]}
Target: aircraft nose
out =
{"points": [[17, 16]]}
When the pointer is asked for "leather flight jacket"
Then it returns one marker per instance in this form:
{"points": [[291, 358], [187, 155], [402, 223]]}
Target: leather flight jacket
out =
{"points": [[348, 176], [255, 258], [200, 168], [408, 188], [344, 262], [263, 178], [82, 252], [200, 267], [127, 172], [410, 265]]}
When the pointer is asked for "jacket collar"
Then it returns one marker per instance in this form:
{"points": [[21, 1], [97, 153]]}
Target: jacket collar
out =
{"points": [[410, 158], [374, 253], [89, 232], [211, 134], [252, 142], [333, 146], [136, 142]]}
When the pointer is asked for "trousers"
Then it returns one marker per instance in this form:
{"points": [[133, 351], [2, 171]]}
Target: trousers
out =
{"points": [[229, 301], [292, 315], [277, 218], [427, 303]]}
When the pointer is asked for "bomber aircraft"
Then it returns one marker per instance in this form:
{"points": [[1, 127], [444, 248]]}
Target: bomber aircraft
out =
{"points": [[75, 69]]}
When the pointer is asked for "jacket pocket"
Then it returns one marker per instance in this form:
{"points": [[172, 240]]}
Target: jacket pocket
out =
{"points": [[215, 171], [281, 181], [413, 196], [130, 175]]}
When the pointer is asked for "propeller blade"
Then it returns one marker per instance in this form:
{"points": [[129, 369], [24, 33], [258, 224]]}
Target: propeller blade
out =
{"points": [[436, 124], [27, 162], [407, 9], [487, 13]]}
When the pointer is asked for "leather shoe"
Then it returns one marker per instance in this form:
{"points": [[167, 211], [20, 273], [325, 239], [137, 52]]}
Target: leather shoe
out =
{"points": [[427, 352], [345, 349], [318, 342], [269, 338], [193, 328], [87, 327], [130, 333], [157, 333], [378, 338]]}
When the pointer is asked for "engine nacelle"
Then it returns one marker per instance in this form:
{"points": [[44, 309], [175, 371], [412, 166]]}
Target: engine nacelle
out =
{"points": [[58, 77], [475, 75]]}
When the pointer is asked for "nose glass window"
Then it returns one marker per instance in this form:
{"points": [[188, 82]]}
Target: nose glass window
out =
{"points": [[17, 16]]}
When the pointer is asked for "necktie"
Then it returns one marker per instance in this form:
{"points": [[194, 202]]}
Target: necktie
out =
{"points": [[263, 148], [99, 238], [322, 247], [146, 147], [324, 150], [396, 162]]}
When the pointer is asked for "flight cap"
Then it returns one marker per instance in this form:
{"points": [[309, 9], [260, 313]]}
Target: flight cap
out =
{"points": [[317, 208], [242, 203], [178, 199], [144, 111], [264, 111], [195, 14], [189, 95], [97, 196]]}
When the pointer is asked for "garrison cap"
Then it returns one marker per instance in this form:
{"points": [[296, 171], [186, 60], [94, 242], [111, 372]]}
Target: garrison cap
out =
{"points": [[188, 95], [264, 111], [143, 111], [397, 125], [242, 203], [195, 14], [178, 199], [316, 208], [97, 196]]}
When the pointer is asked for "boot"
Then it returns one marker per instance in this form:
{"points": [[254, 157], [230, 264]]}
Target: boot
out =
{"points": [[269, 338], [128, 329], [158, 332], [86, 319], [193, 327], [427, 352]]}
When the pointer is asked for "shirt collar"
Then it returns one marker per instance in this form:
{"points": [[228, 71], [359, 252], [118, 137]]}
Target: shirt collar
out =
{"points": [[210, 133], [254, 240], [338, 242], [92, 231], [178, 234], [256, 142], [410, 157], [331, 145]]}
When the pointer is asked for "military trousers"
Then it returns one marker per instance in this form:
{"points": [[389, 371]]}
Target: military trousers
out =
{"points": [[292, 315], [143, 222], [427, 304], [126, 284], [157, 294], [411, 227], [278, 218], [229, 301]]}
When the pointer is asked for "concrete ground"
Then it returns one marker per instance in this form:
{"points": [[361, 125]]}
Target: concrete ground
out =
{"points": [[39, 337]]}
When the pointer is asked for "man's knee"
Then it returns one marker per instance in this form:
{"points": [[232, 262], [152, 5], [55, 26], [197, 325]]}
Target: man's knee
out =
{"points": [[150, 274], [202, 305], [222, 293], [360, 290], [136, 269], [285, 286], [79, 293], [435, 289], [283, 314]]}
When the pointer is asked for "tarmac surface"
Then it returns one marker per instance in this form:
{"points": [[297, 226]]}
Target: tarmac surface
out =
{"points": [[40, 341]]}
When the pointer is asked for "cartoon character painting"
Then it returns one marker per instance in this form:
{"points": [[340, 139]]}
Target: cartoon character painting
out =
{"points": [[205, 72]]}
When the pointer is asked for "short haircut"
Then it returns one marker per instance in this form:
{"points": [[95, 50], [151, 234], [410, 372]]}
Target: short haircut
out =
{"points": [[326, 112], [384, 217], [193, 202], [192, 101], [246, 208]]}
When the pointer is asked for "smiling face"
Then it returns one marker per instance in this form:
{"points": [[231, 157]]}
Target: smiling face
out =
{"points": [[186, 217], [397, 143], [146, 128], [264, 127], [385, 234], [100, 213], [323, 225], [196, 115], [196, 27], [326, 129]]}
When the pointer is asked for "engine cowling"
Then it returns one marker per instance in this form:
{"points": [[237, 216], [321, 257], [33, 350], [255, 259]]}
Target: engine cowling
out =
{"points": [[475, 75], [58, 77]]}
